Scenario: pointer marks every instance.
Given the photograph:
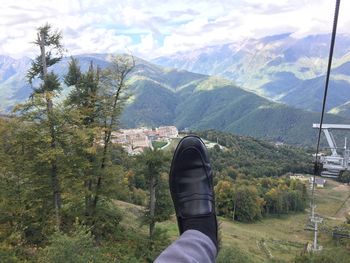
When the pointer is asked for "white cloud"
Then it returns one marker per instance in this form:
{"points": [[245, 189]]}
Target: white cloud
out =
{"points": [[146, 48], [98, 40], [255, 18], [151, 28]]}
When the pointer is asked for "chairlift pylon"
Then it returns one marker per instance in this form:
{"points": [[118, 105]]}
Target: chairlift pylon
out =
{"points": [[337, 162]]}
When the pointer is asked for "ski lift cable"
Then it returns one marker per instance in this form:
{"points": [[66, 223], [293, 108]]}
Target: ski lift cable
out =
{"points": [[330, 58]]}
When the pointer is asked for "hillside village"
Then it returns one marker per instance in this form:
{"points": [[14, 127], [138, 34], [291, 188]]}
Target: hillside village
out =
{"points": [[135, 141]]}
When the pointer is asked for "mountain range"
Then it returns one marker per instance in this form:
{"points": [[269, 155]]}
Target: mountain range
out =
{"points": [[282, 68], [200, 102], [168, 96]]}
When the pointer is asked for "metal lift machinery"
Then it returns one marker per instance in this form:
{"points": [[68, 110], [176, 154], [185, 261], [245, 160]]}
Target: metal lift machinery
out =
{"points": [[337, 162]]}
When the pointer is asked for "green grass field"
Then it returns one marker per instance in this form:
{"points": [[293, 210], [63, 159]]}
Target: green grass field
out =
{"points": [[273, 239], [158, 144]]}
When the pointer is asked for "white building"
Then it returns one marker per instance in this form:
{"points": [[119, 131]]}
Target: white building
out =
{"points": [[168, 132], [319, 182], [135, 141]]}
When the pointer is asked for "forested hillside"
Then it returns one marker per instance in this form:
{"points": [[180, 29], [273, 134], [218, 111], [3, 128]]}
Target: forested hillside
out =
{"points": [[248, 157], [163, 96], [202, 102]]}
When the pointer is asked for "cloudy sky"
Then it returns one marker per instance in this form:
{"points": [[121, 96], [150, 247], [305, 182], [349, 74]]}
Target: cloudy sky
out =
{"points": [[151, 28]]}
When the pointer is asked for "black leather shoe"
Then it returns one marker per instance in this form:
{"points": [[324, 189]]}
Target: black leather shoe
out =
{"points": [[191, 187]]}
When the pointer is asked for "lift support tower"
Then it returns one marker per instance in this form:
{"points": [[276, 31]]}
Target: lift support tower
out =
{"points": [[335, 163]]}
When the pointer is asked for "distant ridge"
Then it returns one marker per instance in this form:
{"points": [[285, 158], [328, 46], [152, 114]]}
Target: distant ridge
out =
{"points": [[276, 37], [167, 96], [278, 67]]}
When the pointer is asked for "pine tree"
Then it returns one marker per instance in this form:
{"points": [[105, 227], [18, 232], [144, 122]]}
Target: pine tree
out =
{"points": [[152, 165], [51, 50], [82, 110]]}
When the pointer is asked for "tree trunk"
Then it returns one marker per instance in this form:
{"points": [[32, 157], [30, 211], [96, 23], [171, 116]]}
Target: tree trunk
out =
{"points": [[103, 164], [49, 108], [152, 205], [234, 211], [107, 139], [88, 188]]}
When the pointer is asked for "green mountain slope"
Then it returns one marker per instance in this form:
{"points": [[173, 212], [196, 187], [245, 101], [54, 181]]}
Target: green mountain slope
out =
{"points": [[163, 96], [213, 103], [153, 105]]}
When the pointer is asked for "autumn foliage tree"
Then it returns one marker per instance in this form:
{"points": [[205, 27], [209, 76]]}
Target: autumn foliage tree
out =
{"points": [[248, 201], [224, 191]]}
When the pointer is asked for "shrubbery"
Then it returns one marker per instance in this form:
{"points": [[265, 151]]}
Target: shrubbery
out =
{"points": [[78, 247], [232, 255], [249, 200]]}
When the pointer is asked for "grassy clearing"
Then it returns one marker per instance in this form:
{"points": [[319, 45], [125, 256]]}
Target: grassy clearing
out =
{"points": [[173, 144], [330, 200], [282, 237], [158, 144]]}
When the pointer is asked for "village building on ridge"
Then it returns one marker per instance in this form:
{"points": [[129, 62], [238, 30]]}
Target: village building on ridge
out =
{"points": [[135, 141]]}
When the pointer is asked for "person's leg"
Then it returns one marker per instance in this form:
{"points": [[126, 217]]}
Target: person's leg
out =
{"points": [[191, 187], [192, 246]]}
